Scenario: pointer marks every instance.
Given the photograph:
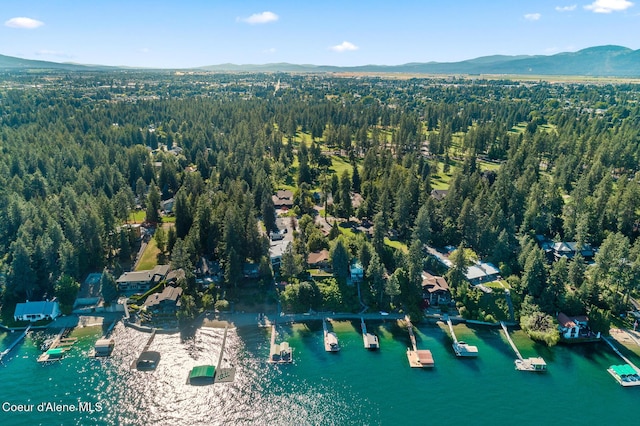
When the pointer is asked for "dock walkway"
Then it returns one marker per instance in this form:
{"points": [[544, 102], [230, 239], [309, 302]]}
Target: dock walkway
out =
{"points": [[15, 343], [58, 346], [624, 358], [513, 345], [460, 348], [224, 375], [529, 364]]}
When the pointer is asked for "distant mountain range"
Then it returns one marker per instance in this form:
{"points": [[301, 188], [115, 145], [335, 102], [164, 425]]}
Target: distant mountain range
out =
{"points": [[605, 61]]}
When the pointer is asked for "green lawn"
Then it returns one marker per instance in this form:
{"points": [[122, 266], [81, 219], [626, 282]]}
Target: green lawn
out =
{"points": [[396, 245], [149, 257], [137, 216]]}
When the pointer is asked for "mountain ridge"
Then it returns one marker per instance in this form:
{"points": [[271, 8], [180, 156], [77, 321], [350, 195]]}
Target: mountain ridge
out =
{"points": [[596, 61]]}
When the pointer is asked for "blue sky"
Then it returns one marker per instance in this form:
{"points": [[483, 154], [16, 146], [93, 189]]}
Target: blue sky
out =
{"points": [[188, 33]]}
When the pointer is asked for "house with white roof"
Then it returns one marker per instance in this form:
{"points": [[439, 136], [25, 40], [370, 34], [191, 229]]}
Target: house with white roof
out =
{"points": [[36, 311]]}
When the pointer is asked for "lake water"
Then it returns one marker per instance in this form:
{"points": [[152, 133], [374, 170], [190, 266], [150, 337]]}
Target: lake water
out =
{"points": [[354, 386]]}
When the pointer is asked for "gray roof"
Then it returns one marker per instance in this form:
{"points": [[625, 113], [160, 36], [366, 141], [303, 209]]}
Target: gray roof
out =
{"points": [[480, 270], [34, 308], [169, 293], [142, 276]]}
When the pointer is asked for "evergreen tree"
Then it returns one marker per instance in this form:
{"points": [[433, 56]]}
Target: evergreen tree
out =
{"points": [[153, 205], [340, 259], [108, 287]]}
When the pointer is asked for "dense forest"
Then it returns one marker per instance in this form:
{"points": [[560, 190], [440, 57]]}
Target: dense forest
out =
{"points": [[81, 152]]}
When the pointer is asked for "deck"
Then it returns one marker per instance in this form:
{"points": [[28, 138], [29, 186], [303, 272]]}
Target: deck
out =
{"points": [[279, 353], [632, 367], [370, 340], [535, 364], [418, 358], [460, 348], [330, 339], [58, 347]]}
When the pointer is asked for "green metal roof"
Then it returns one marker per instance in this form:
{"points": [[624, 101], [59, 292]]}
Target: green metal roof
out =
{"points": [[55, 352], [623, 370], [202, 371]]}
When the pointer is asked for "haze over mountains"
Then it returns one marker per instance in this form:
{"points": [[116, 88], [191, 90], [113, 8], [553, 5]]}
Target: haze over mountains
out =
{"points": [[605, 61]]}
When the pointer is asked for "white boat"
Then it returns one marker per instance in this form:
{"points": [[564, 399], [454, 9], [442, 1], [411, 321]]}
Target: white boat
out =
{"points": [[463, 349], [331, 342]]}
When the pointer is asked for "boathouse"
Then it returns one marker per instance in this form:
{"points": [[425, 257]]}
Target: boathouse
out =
{"points": [[202, 375], [36, 311]]}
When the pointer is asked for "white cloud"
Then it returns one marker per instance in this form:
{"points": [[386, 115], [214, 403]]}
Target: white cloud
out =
{"points": [[24, 23], [566, 8], [260, 18], [345, 46], [532, 16], [608, 6], [144, 50], [270, 50]]}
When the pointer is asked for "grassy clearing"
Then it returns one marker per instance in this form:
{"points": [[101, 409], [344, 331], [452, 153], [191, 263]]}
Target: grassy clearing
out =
{"points": [[398, 245], [149, 257], [137, 216], [339, 164]]}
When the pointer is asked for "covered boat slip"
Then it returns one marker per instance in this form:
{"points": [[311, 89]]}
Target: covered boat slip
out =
{"points": [[625, 374], [202, 375]]}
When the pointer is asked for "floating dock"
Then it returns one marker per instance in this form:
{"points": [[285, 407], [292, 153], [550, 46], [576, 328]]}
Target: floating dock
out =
{"points": [[529, 364], [104, 346], [58, 347], [279, 353], [461, 348], [330, 339], [148, 360], [370, 340], [627, 374], [15, 343], [417, 358]]}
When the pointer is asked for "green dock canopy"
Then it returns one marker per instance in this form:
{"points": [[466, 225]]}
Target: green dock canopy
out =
{"points": [[202, 371], [55, 352], [623, 370]]}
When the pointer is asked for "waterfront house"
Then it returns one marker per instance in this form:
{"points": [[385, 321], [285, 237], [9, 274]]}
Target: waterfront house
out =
{"points": [[574, 328], [435, 289], [166, 302], [36, 311], [142, 280]]}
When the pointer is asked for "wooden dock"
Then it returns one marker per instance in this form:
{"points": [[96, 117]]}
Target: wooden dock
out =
{"points": [[59, 345], [460, 348], [330, 339], [522, 364], [15, 343], [227, 374], [612, 371], [417, 358], [147, 360], [279, 353], [370, 340]]}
